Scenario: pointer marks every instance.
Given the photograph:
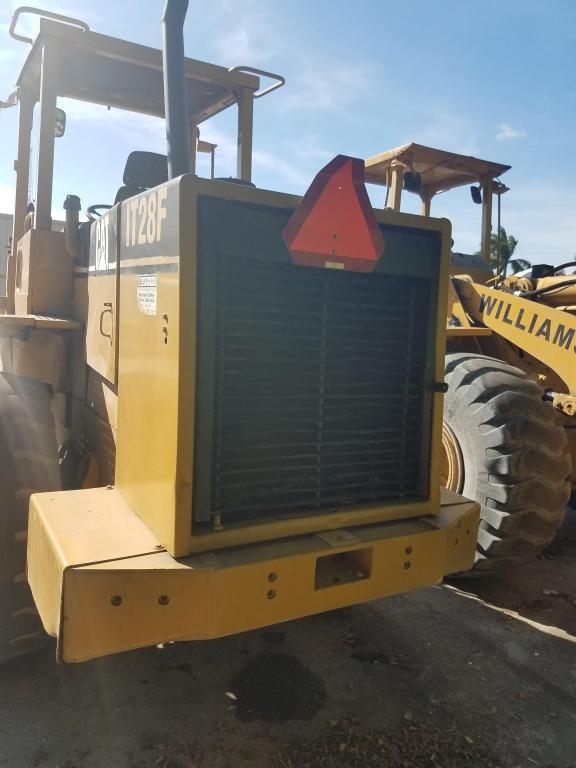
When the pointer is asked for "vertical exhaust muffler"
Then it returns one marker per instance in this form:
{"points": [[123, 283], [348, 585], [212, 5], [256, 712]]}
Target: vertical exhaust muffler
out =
{"points": [[174, 73]]}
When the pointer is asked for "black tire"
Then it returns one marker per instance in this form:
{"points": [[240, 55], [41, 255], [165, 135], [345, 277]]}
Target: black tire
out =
{"points": [[28, 463], [514, 455]]}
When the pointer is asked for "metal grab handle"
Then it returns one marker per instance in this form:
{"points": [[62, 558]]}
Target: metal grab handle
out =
{"points": [[252, 71], [46, 14], [108, 308]]}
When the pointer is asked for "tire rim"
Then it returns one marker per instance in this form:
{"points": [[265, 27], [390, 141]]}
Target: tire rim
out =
{"points": [[451, 463]]}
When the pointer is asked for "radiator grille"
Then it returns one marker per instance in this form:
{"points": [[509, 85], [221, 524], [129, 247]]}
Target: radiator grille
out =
{"points": [[318, 389]]}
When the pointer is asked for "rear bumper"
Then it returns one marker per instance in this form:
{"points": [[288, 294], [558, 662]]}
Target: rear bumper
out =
{"points": [[103, 584]]}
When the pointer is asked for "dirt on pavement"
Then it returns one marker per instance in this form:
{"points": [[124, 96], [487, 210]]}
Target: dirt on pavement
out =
{"points": [[346, 743], [543, 590]]}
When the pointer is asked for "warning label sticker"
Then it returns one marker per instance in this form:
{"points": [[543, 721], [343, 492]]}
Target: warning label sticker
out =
{"points": [[147, 290]]}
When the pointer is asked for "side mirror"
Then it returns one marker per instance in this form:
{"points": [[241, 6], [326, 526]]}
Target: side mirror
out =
{"points": [[60, 123], [476, 193]]}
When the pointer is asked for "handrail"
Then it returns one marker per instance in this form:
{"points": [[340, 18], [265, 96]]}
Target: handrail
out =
{"points": [[46, 14], [252, 71]]}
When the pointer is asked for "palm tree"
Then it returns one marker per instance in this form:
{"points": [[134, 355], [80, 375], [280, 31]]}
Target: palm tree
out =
{"points": [[505, 263]]}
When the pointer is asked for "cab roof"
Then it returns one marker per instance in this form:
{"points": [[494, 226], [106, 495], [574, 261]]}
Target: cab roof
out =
{"points": [[440, 170], [116, 73]]}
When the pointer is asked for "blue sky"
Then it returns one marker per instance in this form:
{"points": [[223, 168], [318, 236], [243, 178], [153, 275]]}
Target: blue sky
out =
{"points": [[493, 78]]}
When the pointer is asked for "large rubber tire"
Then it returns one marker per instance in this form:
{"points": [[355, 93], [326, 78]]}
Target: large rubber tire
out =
{"points": [[28, 463], [514, 457]]}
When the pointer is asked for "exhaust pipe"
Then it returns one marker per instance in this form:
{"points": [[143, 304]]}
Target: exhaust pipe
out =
{"points": [[175, 109]]}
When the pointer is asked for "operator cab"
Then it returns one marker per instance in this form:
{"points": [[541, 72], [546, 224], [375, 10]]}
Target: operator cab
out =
{"points": [[427, 172], [68, 60]]}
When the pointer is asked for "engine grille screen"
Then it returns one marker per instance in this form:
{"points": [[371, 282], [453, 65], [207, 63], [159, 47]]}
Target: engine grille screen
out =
{"points": [[318, 389]]}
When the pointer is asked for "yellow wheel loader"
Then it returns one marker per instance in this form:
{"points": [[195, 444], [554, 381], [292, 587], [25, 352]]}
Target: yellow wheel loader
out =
{"points": [[220, 406], [508, 434]]}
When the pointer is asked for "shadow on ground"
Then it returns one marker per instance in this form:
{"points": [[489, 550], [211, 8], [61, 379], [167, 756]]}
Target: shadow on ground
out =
{"points": [[543, 590]]}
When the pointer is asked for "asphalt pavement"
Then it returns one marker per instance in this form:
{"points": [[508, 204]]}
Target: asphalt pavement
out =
{"points": [[435, 660]]}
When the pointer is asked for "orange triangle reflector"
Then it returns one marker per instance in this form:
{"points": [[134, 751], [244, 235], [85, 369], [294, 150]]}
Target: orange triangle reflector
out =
{"points": [[334, 226]]}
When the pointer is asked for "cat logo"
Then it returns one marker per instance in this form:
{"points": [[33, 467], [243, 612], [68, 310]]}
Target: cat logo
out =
{"points": [[101, 251], [144, 216]]}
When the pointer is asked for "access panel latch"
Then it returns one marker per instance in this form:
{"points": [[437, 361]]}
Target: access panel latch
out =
{"points": [[334, 226]]}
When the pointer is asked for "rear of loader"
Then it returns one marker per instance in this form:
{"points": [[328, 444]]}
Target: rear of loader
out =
{"points": [[273, 370], [278, 432]]}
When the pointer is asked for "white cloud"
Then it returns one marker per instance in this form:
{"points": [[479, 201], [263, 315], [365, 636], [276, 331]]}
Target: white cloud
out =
{"points": [[255, 32], [508, 133], [264, 161], [269, 162], [310, 149], [242, 44], [328, 87], [242, 31]]}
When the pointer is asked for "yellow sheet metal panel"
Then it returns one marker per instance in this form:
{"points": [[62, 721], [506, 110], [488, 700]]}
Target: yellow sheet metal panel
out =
{"points": [[15, 323], [102, 290], [45, 566], [546, 333], [147, 450], [458, 321], [445, 228], [91, 525], [60, 536], [102, 326], [157, 366], [43, 275], [150, 467], [103, 584]]}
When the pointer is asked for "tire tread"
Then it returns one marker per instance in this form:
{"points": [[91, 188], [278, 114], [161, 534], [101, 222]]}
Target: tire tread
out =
{"points": [[521, 477], [28, 464]]}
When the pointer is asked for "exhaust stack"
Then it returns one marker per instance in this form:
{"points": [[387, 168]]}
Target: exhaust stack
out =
{"points": [[175, 109]]}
